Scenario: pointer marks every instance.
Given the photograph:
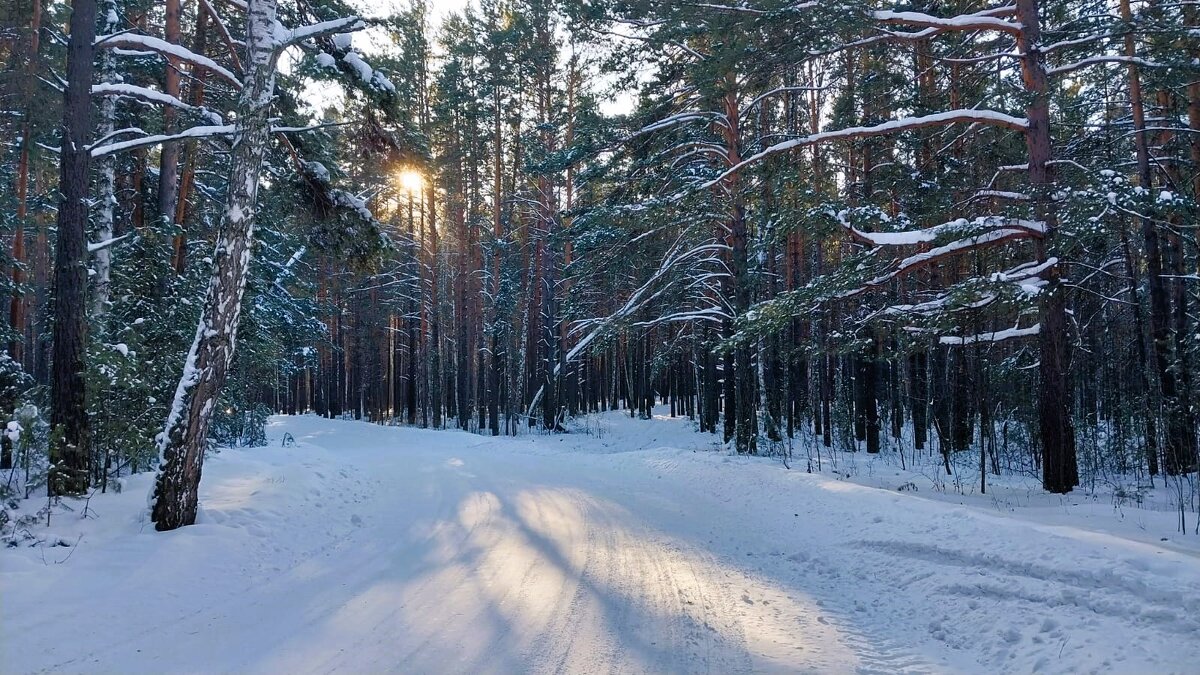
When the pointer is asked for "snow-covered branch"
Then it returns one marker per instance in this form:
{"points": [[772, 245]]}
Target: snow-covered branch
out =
{"points": [[775, 92], [1027, 276], [323, 29], [973, 116], [205, 131], [986, 20], [1002, 194], [1075, 42], [716, 314], [145, 141], [726, 8], [644, 295], [960, 246], [933, 306], [679, 118], [285, 270], [150, 96], [1107, 58], [996, 336], [117, 133], [640, 297], [1034, 227], [310, 127], [166, 48], [101, 245], [134, 91], [931, 26]]}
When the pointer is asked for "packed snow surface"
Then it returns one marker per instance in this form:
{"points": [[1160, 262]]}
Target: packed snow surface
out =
{"points": [[625, 546]]}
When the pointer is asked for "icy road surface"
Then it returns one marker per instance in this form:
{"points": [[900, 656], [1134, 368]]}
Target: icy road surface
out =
{"points": [[365, 549]]}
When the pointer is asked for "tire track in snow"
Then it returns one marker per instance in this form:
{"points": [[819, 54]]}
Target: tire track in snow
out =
{"points": [[1052, 613]]}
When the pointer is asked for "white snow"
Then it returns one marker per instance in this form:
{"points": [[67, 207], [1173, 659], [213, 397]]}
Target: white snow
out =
{"points": [[977, 21], [318, 169], [625, 546], [994, 336], [12, 431], [93, 247], [340, 26], [326, 60], [368, 75], [930, 234]]}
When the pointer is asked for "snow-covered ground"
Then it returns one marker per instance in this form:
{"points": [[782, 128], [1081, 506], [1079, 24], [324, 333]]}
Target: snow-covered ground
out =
{"points": [[626, 546]]}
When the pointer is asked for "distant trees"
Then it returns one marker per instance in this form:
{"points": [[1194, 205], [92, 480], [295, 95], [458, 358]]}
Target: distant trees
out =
{"points": [[853, 226]]}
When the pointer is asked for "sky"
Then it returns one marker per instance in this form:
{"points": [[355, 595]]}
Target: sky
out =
{"points": [[438, 9]]}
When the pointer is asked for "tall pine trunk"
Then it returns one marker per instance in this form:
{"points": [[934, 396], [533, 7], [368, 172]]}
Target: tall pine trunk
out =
{"points": [[1159, 322], [69, 451], [168, 164], [191, 149], [16, 311], [1060, 471]]}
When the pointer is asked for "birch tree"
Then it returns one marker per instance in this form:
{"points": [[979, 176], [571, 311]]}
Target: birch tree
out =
{"points": [[184, 437]]}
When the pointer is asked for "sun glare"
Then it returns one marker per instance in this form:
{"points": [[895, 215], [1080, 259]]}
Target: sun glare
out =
{"points": [[411, 181]]}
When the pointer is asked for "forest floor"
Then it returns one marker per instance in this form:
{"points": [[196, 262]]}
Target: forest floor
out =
{"points": [[625, 546]]}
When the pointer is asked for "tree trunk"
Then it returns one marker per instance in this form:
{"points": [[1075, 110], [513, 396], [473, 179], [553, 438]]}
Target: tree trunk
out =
{"points": [[1158, 298], [435, 375], [191, 148], [168, 165], [69, 452], [16, 310], [181, 445], [108, 180], [1059, 467], [870, 385], [918, 396], [1180, 455]]}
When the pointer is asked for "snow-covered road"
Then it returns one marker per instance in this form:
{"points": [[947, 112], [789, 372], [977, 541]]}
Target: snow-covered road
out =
{"points": [[373, 549]]}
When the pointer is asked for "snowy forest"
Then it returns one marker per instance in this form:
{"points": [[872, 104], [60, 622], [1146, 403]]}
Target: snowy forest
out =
{"points": [[858, 229], [958, 236]]}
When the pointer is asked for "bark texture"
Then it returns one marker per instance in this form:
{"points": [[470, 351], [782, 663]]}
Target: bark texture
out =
{"points": [[184, 437], [69, 453], [1060, 471]]}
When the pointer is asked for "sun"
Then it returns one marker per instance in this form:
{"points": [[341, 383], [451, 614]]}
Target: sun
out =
{"points": [[411, 181]]}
